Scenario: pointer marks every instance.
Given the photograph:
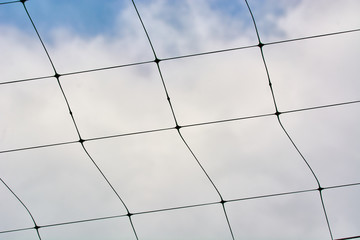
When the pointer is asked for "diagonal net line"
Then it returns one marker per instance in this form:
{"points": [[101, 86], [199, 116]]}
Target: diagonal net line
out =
{"points": [[177, 127], [279, 120], [36, 227], [81, 141]]}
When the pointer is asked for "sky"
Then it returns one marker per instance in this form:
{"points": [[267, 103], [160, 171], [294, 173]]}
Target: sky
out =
{"points": [[231, 146]]}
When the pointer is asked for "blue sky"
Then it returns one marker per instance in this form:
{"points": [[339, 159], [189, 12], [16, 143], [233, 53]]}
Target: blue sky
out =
{"points": [[84, 17], [91, 18], [222, 101]]}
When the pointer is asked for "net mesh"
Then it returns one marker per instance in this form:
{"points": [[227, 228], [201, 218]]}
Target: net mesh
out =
{"points": [[179, 155]]}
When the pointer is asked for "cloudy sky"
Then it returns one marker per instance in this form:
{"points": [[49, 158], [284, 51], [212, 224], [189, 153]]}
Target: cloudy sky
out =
{"points": [[231, 146]]}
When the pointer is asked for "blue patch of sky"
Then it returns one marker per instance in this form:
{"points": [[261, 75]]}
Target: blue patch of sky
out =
{"points": [[175, 11], [84, 17], [274, 7], [93, 17], [14, 15], [234, 9], [263, 9]]}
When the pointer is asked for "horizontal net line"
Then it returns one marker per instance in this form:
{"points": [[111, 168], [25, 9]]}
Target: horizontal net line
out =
{"points": [[293, 192], [27, 80], [320, 107], [178, 57], [346, 238], [177, 127], [108, 68], [185, 207], [182, 126], [3, 3], [342, 185], [38, 146], [314, 36], [17, 230]]}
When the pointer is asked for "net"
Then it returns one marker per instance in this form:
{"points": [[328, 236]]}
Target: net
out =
{"points": [[179, 120]]}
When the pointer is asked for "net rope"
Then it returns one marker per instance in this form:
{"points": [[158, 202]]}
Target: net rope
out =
{"points": [[176, 128]]}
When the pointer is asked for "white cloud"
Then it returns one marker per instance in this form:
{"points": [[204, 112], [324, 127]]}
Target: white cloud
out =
{"points": [[152, 171], [118, 101], [112, 229], [179, 28], [320, 17], [314, 72], [207, 221], [280, 20], [343, 211], [22, 55], [248, 158], [155, 170], [59, 184], [284, 217], [35, 115], [219, 86], [328, 139]]}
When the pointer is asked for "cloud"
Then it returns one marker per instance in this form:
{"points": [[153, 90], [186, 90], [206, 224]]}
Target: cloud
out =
{"points": [[118, 101], [179, 28], [60, 184], [317, 19], [283, 217], [279, 20], [127, 43], [255, 154], [151, 171], [22, 55], [342, 210], [35, 114], [207, 221], [220, 86], [328, 139], [323, 70]]}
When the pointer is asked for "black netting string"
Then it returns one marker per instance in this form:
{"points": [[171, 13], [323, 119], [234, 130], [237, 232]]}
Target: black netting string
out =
{"points": [[177, 127], [81, 140], [277, 113]]}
